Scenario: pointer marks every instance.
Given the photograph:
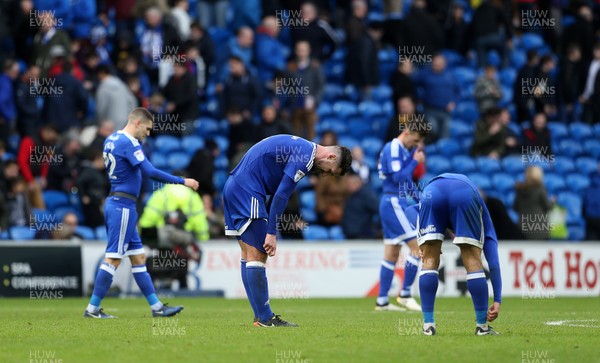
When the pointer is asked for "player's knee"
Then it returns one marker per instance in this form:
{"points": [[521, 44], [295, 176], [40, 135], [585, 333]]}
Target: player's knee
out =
{"points": [[471, 256], [253, 254], [115, 262], [138, 259]]}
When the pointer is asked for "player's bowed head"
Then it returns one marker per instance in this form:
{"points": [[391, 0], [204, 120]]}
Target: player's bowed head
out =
{"points": [[332, 160]]}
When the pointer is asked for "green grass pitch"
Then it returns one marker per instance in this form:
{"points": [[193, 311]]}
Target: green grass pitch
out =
{"points": [[331, 330]]}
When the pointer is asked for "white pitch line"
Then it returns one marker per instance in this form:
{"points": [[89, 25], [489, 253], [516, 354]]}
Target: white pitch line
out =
{"points": [[574, 323]]}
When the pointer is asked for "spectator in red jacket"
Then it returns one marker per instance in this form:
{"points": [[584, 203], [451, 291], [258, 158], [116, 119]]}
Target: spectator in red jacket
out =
{"points": [[34, 158]]}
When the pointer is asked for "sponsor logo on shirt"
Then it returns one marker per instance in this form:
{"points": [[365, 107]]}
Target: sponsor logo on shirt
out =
{"points": [[139, 155], [299, 175]]}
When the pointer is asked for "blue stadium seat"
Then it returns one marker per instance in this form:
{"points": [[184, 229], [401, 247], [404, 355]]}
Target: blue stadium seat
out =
{"points": [[219, 179], [308, 199], [159, 160], [493, 58], [508, 198], [458, 129], [431, 150], [192, 143], [563, 165], [336, 233], [558, 130], [453, 59], [308, 215], [581, 131], [438, 164], [554, 183], [22, 233], [315, 232], [515, 127], [518, 58], [592, 148], [379, 126], [351, 93], [513, 164], [333, 92], [324, 110], [344, 109], [573, 203], [570, 148], [167, 143], [576, 232], [332, 124], [463, 164], [54, 199], [339, 55], [372, 146], [303, 184], [86, 232], [178, 161], [358, 128], [449, 147], [531, 41], [381, 93], [334, 72], [466, 144], [222, 143], [370, 109], [371, 162], [587, 165], [376, 184], [348, 141], [597, 130], [100, 233], [60, 212], [488, 165], [507, 76], [464, 75], [221, 162], [578, 183], [466, 111], [481, 180], [503, 182], [206, 127], [507, 96]]}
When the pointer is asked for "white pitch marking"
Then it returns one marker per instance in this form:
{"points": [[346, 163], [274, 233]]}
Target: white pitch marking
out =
{"points": [[574, 323]]}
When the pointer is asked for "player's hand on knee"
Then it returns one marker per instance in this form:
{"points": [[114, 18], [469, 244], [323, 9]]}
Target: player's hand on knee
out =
{"points": [[191, 183], [493, 311], [270, 244]]}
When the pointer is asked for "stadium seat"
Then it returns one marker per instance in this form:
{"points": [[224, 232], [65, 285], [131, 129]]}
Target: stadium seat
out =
{"points": [[219, 179], [22, 233], [159, 160], [100, 233], [573, 203], [466, 111], [597, 130], [4, 235], [334, 72], [481, 180], [371, 162], [507, 76], [54, 199], [221, 162], [563, 165], [463, 164], [438, 164], [431, 150], [339, 55], [531, 41], [464, 76], [570, 148], [577, 183], [324, 110], [508, 198], [453, 59], [379, 126], [372, 146], [592, 148], [166, 144], [466, 143], [381, 93], [59, 213], [308, 199], [370, 109], [554, 183], [86, 232], [359, 128], [222, 143], [449, 147], [332, 93], [303, 184], [308, 215], [493, 58], [336, 233], [206, 127], [178, 161], [192, 143], [332, 124], [518, 58], [376, 184], [558, 131], [587, 165], [513, 164], [507, 96], [503, 182], [315, 232], [348, 141], [488, 165], [581, 131], [344, 109], [459, 129]]}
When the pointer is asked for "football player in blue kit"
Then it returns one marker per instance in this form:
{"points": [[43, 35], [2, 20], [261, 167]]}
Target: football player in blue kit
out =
{"points": [[125, 164], [272, 167], [452, 201]]}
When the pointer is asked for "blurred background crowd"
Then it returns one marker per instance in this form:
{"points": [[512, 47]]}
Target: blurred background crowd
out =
{"points": [[509, 89]]}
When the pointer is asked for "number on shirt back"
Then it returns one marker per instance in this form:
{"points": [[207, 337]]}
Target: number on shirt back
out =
{"points": [[109, 163]]}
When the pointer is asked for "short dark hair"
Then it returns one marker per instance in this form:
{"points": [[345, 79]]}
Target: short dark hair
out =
{"points": [[415, 125], [345, 160], [140, 113]]}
